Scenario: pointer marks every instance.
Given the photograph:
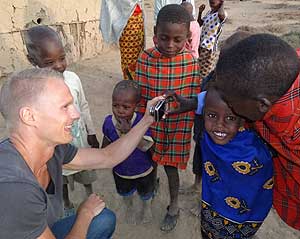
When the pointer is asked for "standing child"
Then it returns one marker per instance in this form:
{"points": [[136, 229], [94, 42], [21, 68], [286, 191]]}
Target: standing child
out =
{"points": [[193, 43], [45, 49], [122, 22], [137, 172], [237, 177], [211, 24], [169, 66]]}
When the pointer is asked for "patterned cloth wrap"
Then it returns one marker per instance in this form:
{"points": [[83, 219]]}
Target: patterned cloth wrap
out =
{"points": [[132, 42], [237, 186], [210, 33], [156, 74]]}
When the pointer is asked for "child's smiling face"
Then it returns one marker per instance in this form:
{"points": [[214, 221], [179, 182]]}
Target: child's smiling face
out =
{"points": [[51, 54], [171, 37], [220, 122]]}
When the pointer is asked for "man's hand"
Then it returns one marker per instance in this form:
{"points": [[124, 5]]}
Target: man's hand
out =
{"points": [[147, 116], [92, 141], [123, 125], [92, 206]]}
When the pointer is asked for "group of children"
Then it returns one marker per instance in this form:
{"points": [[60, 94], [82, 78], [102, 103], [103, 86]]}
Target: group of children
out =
{"points": [[237, 171]]}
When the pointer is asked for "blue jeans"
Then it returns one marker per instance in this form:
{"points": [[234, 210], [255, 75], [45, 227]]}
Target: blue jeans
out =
{"points": [[101, 227]]}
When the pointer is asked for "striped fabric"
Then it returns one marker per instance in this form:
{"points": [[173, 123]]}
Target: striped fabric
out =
{"points": [[156, 74], [281, 128]]}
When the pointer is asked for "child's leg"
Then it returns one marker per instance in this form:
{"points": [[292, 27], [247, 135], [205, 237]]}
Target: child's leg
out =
{"points": [[67, 202], [88, 189], [171, 217], [146, 188], [86, 177], [126, 188]]}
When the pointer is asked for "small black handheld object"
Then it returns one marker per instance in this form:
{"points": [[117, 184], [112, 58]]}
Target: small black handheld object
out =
{"points": [[158, 110]]}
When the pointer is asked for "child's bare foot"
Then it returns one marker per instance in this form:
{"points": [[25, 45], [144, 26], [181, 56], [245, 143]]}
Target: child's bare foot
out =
{"points": [[196, 210], [130, 215], [146, 211]]}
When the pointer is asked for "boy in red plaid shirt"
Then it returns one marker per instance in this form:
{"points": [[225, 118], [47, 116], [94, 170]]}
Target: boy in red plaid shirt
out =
{"points": [[168, 66]]}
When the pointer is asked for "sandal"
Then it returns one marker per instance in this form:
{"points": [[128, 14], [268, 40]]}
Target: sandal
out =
{"points": [[169, 222]]}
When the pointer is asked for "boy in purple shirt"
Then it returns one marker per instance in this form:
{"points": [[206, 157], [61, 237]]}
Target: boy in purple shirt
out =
{"points": [[138, 172]]}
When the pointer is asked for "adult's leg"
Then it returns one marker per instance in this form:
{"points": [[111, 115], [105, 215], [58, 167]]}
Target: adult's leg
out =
{"points": [[101, 227], [171, 217]]}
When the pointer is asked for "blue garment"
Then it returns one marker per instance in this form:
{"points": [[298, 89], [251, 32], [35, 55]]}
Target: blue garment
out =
{"points": [[236, 184], [138, 161], [101, 227]]}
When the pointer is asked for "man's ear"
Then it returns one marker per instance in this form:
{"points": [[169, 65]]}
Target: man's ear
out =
{"points": [[26, 115], [264, 104]]}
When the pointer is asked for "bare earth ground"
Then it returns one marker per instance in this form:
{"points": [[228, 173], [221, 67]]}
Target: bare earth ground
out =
{"points": [[99, 75]]}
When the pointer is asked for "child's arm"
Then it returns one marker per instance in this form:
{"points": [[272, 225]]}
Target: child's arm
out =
{"points": [[105, 141], [93, 141], [85, 114], [201, 9], [221, 12], [187, 104]]}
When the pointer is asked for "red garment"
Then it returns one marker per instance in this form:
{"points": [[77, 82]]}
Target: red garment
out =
{"points": [[137, 10], [156, 74], [281, 129]]}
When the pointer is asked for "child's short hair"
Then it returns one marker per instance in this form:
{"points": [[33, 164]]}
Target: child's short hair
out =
{"points": [[37, 35], [173, 13], [261, 64], [128, 85]]}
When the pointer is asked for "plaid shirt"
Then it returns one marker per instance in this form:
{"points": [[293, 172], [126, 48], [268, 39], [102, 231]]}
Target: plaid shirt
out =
{"points": [[281, 129], [155, 74]]}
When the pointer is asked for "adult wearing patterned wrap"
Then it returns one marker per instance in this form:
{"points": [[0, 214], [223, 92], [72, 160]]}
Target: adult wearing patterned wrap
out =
{"points": [[122, 21]]}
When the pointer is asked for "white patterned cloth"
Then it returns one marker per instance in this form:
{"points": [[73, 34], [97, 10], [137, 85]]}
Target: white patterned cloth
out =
{"points": [[211, 30]]}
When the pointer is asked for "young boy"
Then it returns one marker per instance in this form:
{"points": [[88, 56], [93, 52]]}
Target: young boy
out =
{"points": [[168, 66], [212, 24], [137, 172], [237, 177], [45, 49]]}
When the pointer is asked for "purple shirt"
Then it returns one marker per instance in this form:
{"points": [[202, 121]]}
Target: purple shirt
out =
{"points": [[138, 161]]}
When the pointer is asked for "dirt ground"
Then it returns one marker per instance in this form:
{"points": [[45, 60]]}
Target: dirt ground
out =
{"points": [[99, 75]]}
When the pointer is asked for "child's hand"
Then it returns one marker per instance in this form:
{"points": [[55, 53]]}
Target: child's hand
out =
{"points": [[123, 125], [92, 141], [183, 104], [201, 8]]}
